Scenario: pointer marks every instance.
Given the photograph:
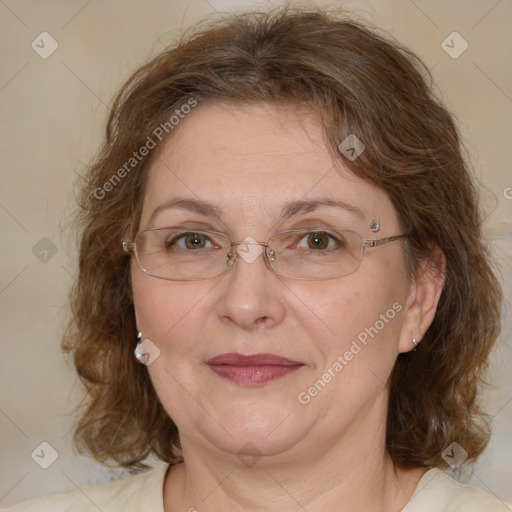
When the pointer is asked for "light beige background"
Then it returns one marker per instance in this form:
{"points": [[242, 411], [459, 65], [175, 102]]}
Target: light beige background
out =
{"points": [[52, 113]]}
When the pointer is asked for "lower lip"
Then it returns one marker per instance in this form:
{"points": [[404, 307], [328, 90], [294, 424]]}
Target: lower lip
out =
{"points": [[253, 375]]}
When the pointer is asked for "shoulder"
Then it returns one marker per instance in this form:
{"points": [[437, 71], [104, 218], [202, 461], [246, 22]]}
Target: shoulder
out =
{"points": [[140, 492], [436, 491]]}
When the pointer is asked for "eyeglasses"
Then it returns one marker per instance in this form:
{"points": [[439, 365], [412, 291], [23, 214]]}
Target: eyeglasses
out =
{"points": [[178, 254]]}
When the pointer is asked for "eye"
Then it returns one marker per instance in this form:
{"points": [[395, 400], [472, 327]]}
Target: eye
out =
{"points": [[318, 240], [190, 241]]}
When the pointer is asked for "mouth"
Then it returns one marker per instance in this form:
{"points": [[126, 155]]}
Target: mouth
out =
{"points": [[252, 370]]}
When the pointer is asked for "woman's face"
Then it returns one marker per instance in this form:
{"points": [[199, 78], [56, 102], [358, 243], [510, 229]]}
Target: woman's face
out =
{"points": [[254, 164]]}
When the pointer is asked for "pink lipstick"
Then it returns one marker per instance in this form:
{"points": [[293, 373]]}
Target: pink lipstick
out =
{"points": [[252, 370]]}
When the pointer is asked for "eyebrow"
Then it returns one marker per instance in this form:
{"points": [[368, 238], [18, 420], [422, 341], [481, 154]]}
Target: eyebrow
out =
{"points": [[289, 209], [297, 207], [192, 205]]}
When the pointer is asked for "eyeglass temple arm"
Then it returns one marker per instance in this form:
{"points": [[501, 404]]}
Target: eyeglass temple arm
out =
{"points": [[128, 246], [380, 241]]}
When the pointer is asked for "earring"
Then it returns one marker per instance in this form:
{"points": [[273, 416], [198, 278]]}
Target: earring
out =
{"points": [[415, 345], [138, 349], [375, 225]]}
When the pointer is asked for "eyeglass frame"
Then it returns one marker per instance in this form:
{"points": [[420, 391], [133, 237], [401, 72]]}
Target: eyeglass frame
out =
{"points": [[130, 247]]}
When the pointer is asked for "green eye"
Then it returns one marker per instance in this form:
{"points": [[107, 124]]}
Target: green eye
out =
{"points": [[190, 241]]}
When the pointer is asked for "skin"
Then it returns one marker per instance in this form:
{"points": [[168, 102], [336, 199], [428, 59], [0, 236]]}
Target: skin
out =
{"points": [[328, 454]]}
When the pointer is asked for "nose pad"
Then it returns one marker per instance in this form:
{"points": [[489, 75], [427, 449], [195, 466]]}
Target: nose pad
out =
{"points": [[231, 258], [251, 253]]}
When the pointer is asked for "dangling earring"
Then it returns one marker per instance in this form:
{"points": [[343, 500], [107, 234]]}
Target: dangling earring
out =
{"points": [[138, 347]]}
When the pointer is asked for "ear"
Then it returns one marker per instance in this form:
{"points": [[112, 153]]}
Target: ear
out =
{"points": [[421, 305]]}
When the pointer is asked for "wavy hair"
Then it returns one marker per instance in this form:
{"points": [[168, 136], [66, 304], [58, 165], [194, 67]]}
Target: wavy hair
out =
{"points": [[360, 82]]}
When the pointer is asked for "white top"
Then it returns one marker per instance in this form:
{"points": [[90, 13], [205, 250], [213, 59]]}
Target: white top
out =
{"points": [[436, 492]]}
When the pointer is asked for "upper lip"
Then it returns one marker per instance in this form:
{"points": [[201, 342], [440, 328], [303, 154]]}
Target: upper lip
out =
{"points": [[234, 359]]}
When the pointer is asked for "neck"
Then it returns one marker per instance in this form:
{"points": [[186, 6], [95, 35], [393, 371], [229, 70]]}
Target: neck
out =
{"points": [[353, 473]]}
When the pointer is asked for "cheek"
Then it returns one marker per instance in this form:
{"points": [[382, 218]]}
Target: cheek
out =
{"points": [[169, 314], [167, 309], [363, 314]]}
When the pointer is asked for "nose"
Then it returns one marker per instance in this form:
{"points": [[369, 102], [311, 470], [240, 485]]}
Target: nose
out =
{"points": [[251, 295]]}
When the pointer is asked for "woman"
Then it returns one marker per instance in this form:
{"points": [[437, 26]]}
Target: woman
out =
{"points": [[282, 230]]}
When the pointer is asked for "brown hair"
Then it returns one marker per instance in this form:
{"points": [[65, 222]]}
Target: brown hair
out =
{"points": [[361, 83]]}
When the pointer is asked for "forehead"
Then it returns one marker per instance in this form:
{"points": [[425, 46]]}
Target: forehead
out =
{"points": [[251, 162]]}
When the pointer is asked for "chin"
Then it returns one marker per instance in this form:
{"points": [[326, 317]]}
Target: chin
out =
{"points": [[254, 444], [253, 429]]}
